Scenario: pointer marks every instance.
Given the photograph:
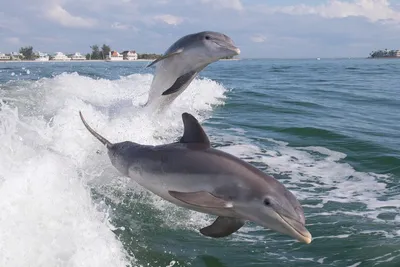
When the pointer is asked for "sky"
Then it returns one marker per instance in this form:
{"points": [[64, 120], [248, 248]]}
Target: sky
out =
{"points": [[260, 28]]}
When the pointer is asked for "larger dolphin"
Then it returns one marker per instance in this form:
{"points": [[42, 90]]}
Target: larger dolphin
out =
{"points": [[191, 174], [181, 63]]}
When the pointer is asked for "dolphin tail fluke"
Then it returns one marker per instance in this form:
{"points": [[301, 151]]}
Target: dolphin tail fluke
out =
{"points": [[95, 134]]}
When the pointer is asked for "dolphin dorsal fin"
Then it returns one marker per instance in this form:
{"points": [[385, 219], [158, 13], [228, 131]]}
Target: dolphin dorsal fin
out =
{"points": [[193, 132]]}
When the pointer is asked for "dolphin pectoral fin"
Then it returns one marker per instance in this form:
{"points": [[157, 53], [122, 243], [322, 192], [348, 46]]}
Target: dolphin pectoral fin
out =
{"points": [[222, 227], [200, 199], [165, 56], [187, 77], [192, 131]]}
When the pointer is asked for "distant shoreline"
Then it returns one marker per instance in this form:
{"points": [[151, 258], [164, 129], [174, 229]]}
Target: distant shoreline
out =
{"points": [[88, 60], [233, 59], [383, 57]]}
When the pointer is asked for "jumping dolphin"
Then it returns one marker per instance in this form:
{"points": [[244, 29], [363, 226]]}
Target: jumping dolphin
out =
{"points": [[181, 63], [191, 174]]}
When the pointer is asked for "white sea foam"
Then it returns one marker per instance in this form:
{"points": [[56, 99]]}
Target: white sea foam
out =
{"points": [[48, 159]]}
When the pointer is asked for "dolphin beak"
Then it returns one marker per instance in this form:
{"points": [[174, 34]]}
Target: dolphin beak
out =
{"points": [[237, 50], [307, 239], [280, 223], [234, 49], [230, 47], [297, 230]]}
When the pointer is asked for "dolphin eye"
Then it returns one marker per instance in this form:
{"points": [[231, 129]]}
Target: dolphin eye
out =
{"points": [[267, 202], [207, 37]]}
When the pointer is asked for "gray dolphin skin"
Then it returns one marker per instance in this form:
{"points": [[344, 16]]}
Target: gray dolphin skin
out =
{"points": [[192, 174], [181, 63]]}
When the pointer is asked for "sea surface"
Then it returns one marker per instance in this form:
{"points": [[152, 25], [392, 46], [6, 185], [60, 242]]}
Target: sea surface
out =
{"points": [[328, 129]]}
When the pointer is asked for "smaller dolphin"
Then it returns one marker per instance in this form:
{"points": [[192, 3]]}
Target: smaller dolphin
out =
{"points": [[191, 174], [181, 63]]}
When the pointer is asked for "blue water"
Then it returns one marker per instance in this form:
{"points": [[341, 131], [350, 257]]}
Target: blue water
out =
{"points": [[329, 130]]}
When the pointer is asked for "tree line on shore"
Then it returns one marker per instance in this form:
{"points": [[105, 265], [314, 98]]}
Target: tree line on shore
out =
{"points": [[384, 53], [97, 53]]}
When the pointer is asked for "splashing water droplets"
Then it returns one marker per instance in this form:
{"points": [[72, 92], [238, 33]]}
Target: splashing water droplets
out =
{"points": [[48, 159]]}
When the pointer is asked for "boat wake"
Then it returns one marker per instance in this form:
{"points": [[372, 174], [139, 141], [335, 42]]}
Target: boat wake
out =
{"points": [[64, 204]]}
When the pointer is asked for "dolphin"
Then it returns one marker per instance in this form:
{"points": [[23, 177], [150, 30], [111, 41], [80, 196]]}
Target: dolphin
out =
{"points": [[191, 174], [181, 63]]}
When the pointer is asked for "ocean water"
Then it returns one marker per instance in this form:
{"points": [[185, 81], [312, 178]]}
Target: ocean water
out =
{"points": [[329, 130]]}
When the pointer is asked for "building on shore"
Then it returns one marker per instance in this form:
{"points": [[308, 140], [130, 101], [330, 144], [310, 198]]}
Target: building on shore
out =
{"points": [[11, 56], [42, 57], [78, 56], [59, 56], [130, 55], [4, 57], [398, 53], [16, 56], [114, 56]]}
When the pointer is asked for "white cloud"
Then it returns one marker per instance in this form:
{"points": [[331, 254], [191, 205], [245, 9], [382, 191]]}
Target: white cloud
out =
{"points": [[374, 10], [228, 4], [122, 26], [169, 19], [48, 39], [162, 2], [58, 14], [12, 40], [258, 38], [12, 23]]}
